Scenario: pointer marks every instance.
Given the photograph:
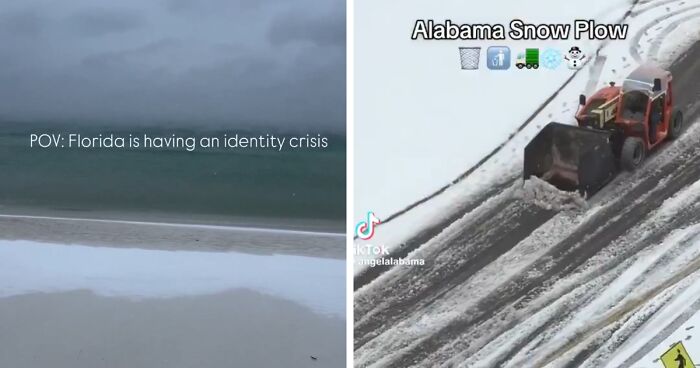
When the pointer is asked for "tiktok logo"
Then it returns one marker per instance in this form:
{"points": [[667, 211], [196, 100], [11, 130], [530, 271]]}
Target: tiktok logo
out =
{"points": [[365, 229]]}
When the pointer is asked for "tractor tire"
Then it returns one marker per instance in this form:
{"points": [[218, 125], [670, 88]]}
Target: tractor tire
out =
{"points": [[632, 154], [676, 125]]}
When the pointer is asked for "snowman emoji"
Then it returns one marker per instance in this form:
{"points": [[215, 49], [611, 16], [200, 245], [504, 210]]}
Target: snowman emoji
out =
{"points": [[574, 58]]}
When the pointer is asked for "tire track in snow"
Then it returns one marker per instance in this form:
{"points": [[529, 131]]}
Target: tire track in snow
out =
{"points": [[626, 309], [662, 335], [424, 235], [569, 305], [620, 331], [655, 4], [463, 255], [658, 41], [635, 46], [654, 230], [560, 262]]}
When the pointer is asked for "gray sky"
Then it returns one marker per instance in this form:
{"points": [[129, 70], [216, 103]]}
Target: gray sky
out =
{"points": [[275, 62]]}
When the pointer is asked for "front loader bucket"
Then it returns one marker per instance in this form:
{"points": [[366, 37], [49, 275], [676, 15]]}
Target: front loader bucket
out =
{"points": [[571, 158]]}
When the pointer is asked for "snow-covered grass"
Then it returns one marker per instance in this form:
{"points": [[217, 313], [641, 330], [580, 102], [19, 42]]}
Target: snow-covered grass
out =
{"points": [[30, 267]]}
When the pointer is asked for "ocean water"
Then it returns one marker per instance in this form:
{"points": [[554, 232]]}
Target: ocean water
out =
{"points": [[306, 186]]}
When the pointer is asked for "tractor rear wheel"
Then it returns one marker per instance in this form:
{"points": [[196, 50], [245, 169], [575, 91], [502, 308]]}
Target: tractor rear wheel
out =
{"points": [[676, 125], [632, 154]]}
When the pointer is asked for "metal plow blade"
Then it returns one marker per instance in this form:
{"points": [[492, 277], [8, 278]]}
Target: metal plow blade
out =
{"points": [[571, 158]]}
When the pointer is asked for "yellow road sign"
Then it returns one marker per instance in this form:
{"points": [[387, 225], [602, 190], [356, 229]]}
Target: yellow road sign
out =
{"points": [[677, 357]]}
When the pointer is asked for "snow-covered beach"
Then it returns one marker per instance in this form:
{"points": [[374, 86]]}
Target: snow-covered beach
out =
{"points": [[170, 294]]}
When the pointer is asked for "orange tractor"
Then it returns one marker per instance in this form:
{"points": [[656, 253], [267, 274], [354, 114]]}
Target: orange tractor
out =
{"points": [[617, 126]]}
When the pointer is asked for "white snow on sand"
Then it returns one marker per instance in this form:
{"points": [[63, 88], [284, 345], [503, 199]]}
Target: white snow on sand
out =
{"points": [[30, 267]]}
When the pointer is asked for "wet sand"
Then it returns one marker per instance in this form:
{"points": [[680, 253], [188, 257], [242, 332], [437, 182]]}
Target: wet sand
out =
{"points": [[234, 329]]}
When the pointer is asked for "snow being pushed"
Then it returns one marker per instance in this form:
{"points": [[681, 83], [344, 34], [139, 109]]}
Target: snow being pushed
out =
{"points": [[542, 194]]}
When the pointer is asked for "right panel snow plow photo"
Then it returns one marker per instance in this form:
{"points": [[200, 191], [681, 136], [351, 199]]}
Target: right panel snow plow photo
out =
{"points": [[526, 184]]}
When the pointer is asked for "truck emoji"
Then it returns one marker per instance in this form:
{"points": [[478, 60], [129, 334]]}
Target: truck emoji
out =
{"points": [[529, 59]]}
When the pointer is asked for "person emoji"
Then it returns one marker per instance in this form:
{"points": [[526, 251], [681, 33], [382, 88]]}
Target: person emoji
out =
{"points": [[500, 58]]}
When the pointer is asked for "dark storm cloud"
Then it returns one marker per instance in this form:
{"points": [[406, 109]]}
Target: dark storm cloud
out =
{"points": [[21, 23], [237, 62], [98, 22], [327, 30], [215, 6]]}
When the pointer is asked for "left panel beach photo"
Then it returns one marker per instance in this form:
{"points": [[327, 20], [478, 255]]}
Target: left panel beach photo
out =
{"points": [[172, 183]]}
